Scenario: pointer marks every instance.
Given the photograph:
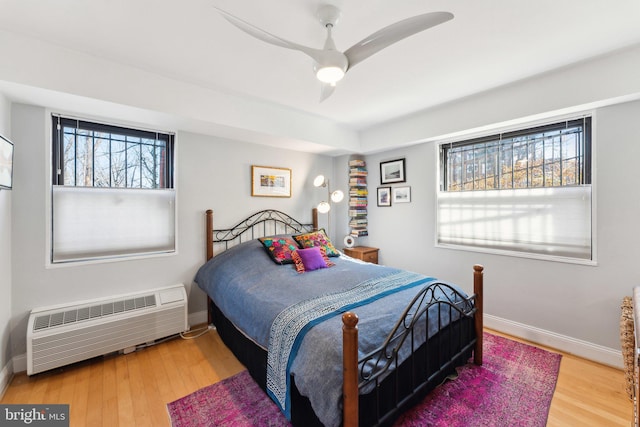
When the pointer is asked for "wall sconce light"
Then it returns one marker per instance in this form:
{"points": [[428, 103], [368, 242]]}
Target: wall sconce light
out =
{"points": [[336, 196]]}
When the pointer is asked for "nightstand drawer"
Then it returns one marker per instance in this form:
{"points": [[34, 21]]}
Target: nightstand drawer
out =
{"points": [[370, 256], [363, 253]]}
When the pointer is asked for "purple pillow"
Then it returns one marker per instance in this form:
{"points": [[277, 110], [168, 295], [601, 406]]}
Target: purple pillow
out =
{"points": [[310, 259]]}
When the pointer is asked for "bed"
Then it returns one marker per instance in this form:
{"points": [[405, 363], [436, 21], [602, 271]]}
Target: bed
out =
{"points": [[333, 340]]}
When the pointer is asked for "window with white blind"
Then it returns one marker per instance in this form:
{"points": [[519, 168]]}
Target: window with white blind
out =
{"points": [[524, 192], [112, 193]]}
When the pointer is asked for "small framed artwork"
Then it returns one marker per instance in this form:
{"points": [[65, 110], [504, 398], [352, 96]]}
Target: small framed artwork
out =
{"points": [[401, 194], [267, 181], [6, 163], [392, 171], [384, 196]]}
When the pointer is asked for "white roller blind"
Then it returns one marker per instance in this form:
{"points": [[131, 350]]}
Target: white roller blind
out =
{"points": [[552, 221], [91, 223]]}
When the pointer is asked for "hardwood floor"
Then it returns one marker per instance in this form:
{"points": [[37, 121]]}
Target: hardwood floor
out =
{"points": [[133, 389]]}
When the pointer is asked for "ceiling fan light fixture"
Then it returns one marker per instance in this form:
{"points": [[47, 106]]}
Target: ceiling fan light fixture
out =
{"points": [[330, 74], [331, 66]]}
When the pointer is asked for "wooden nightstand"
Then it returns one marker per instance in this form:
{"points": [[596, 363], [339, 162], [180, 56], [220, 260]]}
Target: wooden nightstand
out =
{"points": [[364, 253]]}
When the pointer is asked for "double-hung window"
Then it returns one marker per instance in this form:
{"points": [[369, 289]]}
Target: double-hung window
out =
{"points": [[524, 192], [113, 191]]}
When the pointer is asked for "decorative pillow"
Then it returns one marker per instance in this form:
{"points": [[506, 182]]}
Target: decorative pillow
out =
{"points": [[279, 248], [310, 259], [317, 238]]}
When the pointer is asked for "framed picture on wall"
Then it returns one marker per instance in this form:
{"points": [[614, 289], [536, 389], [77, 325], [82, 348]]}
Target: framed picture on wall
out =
{"points": [[384, 196], [6, 163], [267, 181], [401, 194], [392, 171]]}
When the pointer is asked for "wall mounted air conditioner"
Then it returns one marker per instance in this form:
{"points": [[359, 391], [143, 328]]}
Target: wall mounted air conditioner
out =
{"points": [[68, 333]]}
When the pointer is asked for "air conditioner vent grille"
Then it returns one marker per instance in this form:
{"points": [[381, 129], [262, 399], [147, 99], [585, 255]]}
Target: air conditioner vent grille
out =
{"points": [[41, 322], [70, 316], [87, 313], [75, 331], [57, 319]]}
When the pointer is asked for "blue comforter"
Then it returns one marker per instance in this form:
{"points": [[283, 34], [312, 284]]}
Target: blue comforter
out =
{"points": [[251, 290]]}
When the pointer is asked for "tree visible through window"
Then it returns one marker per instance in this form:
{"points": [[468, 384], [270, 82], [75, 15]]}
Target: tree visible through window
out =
{"points": [[522, 192], [96, 155], [112, 193], [554, 155]]}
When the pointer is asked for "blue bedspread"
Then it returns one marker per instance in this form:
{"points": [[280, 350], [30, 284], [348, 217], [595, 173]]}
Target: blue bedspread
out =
{"points": [[292, 324], [251, 290]]}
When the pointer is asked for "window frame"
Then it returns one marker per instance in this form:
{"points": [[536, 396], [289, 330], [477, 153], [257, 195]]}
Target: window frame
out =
{"points": [[585, 121], [59, 122], [587, 117], [55, 152]]}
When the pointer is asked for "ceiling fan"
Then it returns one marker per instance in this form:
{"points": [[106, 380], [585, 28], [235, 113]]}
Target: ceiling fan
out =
{"points": [[330, 64]]}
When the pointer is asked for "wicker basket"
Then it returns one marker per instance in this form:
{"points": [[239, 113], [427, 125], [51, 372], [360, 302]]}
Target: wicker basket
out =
{"points": [[627, 340]]}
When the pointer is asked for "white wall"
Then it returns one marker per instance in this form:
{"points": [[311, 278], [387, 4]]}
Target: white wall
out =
{"points": [[211, 173], [567, 305], [5, 260]]}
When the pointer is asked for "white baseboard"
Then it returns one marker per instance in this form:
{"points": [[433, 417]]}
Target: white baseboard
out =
{"points": [[587, 350], [5, 377], [597, 353]]}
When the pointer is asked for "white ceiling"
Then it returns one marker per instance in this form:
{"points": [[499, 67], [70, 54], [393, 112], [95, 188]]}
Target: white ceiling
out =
{"points": [[488, 44]]}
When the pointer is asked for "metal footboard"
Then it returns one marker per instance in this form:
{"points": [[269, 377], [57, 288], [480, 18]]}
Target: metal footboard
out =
{"points": [[437, 305], [458, 335]]}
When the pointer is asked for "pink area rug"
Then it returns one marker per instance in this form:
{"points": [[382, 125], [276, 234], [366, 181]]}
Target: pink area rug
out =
{"points": [[236, 401], [513, 387]]}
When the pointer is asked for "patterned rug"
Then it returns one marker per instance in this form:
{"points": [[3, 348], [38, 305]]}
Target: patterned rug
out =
{"points": [[513, 387]]}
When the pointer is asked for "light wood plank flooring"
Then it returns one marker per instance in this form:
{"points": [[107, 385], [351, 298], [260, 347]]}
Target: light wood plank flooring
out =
{"points": [[133, 389]]}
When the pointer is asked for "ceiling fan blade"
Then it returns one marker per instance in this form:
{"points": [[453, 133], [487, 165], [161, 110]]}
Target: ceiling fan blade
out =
{"points": [[326, 90], [394, 33], [268, 37]]}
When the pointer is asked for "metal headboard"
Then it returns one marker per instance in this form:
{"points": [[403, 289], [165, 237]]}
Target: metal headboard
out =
{"points": [[263, 223]]}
